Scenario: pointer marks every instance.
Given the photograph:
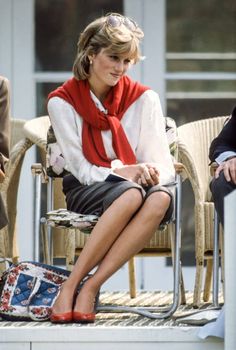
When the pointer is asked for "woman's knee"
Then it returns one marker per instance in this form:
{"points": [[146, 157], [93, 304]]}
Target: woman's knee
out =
{"points": [[158, 202], [133, 198]]}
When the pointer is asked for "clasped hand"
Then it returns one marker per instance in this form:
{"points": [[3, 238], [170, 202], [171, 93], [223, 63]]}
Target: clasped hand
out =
{"points": [[145, 174], [229, 169]]}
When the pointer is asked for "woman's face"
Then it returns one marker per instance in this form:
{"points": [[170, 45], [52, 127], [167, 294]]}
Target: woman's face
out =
{"points": [[106, 70]]}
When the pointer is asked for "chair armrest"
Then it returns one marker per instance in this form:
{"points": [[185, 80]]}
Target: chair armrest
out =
{"points": [[38, 169], [13, 166], [36, 131], [191, 171], [213, 167], [179, 167]]}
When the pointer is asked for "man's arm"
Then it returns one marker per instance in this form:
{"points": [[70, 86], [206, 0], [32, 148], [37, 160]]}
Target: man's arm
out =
{"points": [[223, 150], [226, 140]]}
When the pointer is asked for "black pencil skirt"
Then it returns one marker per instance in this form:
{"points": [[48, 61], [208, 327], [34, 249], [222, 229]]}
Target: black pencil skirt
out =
{"points": [[96, 198]]}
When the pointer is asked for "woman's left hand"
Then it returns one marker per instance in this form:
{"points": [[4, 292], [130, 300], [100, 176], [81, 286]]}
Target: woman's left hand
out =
{"points": [[150, 176]]}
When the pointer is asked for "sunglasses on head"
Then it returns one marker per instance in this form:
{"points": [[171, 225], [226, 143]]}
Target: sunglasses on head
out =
{"points": [[114, 21], [117, 20]]}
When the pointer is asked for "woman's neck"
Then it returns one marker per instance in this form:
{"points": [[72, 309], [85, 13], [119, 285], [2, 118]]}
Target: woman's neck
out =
{"points": [[99, 91]]}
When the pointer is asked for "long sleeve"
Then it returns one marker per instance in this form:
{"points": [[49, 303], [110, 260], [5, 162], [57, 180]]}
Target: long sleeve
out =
{"points": [[153, 145], [67, 126], [226, 140]]}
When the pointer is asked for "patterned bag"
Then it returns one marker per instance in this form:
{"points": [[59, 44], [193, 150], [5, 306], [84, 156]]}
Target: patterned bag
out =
{"points": [[28, 291]]}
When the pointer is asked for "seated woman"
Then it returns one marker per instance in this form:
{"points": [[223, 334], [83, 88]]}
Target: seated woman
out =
{"points": [[111, 132]]}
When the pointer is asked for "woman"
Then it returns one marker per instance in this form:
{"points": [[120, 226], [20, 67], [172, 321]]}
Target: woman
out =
{"points": [[109, 128]]}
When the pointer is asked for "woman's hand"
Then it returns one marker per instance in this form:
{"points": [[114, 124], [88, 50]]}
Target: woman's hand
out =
{"points": [[150, 176], [145, 174]]}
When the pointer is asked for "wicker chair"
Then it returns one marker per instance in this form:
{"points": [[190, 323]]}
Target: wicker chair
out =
{"points": [[69, 242], [193, 147], [9, 189]]}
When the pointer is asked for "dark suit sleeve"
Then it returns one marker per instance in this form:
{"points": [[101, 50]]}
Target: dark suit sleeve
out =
{"points": [[4, 121], [226, 140]]}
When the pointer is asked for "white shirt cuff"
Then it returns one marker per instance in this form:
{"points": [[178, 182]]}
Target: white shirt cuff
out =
{"points": [[223, 156]]}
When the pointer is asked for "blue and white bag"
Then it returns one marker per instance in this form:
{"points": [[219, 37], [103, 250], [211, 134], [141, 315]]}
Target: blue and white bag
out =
{"points": [[28, 291]]}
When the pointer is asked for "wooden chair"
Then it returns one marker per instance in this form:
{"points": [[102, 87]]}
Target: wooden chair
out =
{"points": [[9, 189], [193, 146], [69, 232]]}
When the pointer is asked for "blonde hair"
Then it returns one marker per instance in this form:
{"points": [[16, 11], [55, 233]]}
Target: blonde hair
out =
{"points": [[118, 34]]}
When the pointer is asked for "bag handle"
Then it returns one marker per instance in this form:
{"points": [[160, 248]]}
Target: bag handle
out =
{"points": [[35, 289], [37, 283]]}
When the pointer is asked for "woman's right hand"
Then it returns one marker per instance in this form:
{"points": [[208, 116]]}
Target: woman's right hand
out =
{"points": [[144, 174]]}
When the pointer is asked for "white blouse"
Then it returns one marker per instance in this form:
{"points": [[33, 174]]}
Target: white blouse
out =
{"points": [[144, 127]]}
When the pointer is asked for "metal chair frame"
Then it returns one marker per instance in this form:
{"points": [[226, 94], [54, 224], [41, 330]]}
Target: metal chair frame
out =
{"points": [[216, 248], [215, 297], [36, 131], [42, 224]]}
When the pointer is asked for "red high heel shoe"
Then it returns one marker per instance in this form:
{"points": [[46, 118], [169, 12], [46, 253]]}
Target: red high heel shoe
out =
{"points": [[81, 317], [65, 317]]}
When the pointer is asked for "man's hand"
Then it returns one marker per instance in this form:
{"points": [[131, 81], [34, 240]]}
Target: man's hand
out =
{"points": [[229, 169]]}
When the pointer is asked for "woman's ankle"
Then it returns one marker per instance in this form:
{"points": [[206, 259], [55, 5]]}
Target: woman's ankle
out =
{"points": [[85, 301]]}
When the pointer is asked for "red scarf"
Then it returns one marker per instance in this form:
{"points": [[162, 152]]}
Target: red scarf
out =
{"points": [[118, 100]]}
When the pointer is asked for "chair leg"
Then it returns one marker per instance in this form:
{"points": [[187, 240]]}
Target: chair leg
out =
{"points": [[182, 289], [208, 280], [198, 283], [2, 266], [132, 279], [222, 265], [15, 248], [44, 236], [216, 260], [70, 249], [3, 249]]}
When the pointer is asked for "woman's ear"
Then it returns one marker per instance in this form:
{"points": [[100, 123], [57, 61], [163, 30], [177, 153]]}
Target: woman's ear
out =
{"points": [[90, 58]]}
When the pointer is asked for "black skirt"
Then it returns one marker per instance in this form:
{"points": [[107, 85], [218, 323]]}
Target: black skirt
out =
{"points": [[96, 198]]}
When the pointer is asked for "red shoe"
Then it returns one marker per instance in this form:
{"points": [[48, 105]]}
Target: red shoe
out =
{"points": [[65, 317], [81, 317]]}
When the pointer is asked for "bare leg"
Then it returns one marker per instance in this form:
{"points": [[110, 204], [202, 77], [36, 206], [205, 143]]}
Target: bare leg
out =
{"points": [[106, 231], [132, 239]]}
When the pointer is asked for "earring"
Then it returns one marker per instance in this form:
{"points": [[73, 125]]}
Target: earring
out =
{"points": [[90, 62]]}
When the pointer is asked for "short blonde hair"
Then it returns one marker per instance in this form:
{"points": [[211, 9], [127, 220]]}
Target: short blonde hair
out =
{"points": [[119, 34]]}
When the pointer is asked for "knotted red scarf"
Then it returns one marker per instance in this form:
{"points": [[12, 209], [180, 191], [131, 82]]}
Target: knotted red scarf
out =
{"points": [[119, 98]]}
